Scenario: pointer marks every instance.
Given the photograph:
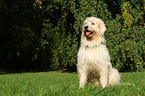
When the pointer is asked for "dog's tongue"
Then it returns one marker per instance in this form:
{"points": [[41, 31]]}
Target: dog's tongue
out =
{"points": [[87, 33]]}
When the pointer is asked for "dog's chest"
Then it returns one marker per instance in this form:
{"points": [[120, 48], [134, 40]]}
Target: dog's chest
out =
{"points": [[93, 55]]}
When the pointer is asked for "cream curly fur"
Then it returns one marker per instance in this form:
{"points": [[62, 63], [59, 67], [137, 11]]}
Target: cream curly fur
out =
{"points": [[94, 64]]}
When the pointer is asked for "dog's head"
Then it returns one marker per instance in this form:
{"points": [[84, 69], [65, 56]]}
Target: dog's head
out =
{"points": [[93, 27]]}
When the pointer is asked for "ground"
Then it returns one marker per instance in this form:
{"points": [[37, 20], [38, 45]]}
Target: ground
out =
{"points": [[60, 84]]}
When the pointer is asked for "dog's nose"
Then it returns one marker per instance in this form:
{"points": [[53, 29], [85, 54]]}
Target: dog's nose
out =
{"points": [[86, 27]]}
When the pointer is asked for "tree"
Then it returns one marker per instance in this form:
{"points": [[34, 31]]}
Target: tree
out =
{"points": [[45, 34], [20, 24], [127, 37]]}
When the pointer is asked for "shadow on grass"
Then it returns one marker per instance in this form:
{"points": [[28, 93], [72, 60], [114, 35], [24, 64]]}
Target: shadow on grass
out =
{"points": [[12, 71]]}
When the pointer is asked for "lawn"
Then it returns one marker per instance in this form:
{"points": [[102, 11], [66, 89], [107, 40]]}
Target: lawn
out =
{"points": [[66, 84]]}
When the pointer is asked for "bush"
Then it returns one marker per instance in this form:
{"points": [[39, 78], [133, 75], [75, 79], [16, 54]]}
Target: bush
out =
{"points": [[124, 37], [46, 33]]}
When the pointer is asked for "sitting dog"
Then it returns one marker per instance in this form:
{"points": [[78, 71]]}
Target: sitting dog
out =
{"points": [[94, 64]]}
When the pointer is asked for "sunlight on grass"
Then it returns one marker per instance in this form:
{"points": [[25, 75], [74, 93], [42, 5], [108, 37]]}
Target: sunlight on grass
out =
{"points": [[60, 84]]}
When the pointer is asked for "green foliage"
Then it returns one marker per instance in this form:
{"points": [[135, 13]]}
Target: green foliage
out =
{"points": [[126, 16], [125, 40], [45, 34], [65, 52]]}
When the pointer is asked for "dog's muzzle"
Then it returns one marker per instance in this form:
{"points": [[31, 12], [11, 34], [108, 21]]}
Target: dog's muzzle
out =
{"points": [[87, 32]]}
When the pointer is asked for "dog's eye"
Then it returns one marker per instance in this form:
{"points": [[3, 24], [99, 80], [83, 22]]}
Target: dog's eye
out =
{"points": [[93, 24]]}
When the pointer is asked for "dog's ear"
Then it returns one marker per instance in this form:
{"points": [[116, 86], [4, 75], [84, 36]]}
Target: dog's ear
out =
{"points": [[102, 27]]}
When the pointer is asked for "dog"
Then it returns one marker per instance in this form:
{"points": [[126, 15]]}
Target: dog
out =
{"points": [[94, 66]]}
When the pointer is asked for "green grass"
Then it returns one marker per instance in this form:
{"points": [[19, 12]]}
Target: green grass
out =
{"points": [[66, 84]]}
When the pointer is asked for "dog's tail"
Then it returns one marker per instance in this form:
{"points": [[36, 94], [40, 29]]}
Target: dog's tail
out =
{"points": [[127, 84]]}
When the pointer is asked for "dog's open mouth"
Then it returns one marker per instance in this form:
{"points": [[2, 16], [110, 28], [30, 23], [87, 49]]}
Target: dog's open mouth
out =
{"points": [[88, 33]]}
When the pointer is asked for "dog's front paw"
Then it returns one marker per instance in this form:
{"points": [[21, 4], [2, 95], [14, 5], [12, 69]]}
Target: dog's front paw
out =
{"points": [[81, 85], [104, 85]]}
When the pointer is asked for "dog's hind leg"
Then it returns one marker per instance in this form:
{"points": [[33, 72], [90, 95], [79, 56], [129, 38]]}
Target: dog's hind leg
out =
{"points": [[114, 77]]}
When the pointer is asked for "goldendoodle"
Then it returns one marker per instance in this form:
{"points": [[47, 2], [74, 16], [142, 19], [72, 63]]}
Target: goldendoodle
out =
{"points": [[94, 64]]}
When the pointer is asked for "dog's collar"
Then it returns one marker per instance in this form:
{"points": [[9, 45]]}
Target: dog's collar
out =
{"points": [[94, 46]]}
